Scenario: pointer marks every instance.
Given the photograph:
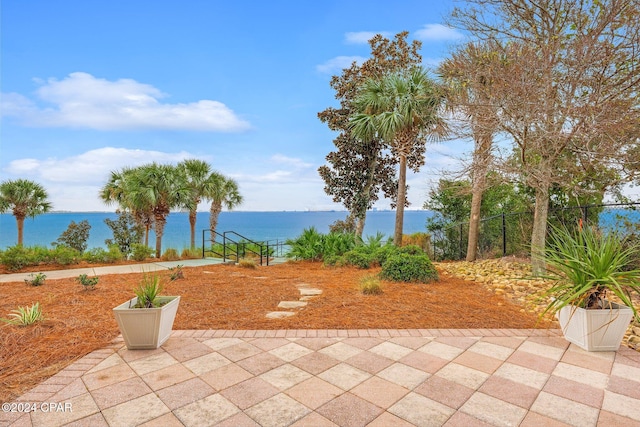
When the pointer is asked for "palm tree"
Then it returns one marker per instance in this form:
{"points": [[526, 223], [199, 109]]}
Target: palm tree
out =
{"points": [[24, 198], [156, 188], [115, 191], [223, 191], [197, 175], [403, 109]]}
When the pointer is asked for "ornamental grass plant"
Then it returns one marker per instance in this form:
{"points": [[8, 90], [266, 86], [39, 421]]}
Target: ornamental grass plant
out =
{"points": [[586, 264]]}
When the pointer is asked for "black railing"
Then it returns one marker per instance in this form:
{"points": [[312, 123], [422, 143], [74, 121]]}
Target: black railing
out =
{"points": [[241, 247], [510, 233]]}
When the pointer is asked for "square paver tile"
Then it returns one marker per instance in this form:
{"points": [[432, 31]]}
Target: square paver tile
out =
{"points": [[168, 376], [108, 376], [387, 419], [186, 392], [166, 420], [625, 386], [444, 391], [583, 375], [546, 351], [344, 376], [491, 350], [441, 350], [460, 419], [152, 363], [189, 351], [290, 352], [340, 351], [118, 393], [314, 392], [380, 392], [607, 419], [533, 361], [369, 362], [574, 390], [403, 375], [206, 363], [423, 361], [81, 407], [314, 419], [522, 375], [260, 363], [478, 361], [533, 419], [565, 410], [280, 410], [421, 411], [493, 411], [206, 412], [463, 375], [220, 343], [285, 376], [350, 410], [510, 391], [316, 344], [621, 405], [239, 351], [225, 376], [315, 362], [391, 350], [364, 343], [136, 411], [249, 392], [238, 420]]}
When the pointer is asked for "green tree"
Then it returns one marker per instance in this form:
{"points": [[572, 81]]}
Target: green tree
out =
{"points": [[126, 232], [223, 191], [25, 199], [75, 236], [358, 170], [403, 109], [200, 181]]}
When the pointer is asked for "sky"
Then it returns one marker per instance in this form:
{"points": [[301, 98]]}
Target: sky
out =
{"points": [[89, 87]]}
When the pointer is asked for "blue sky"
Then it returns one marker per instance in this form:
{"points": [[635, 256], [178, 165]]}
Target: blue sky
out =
{"points": [[92, 86]]}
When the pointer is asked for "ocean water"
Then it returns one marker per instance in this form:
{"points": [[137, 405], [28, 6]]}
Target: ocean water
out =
{"points": [[256, 226]]}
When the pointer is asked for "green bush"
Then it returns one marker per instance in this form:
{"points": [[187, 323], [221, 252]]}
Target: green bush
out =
{"points": [[141, 252], [75, 236], [95, 256], [411, 250], [170, 255], [359, 258], [64, 255], [403, 267], [114, 254], [88, 283], [126, 232], [314, 246], [35, 279], [16, 257]]}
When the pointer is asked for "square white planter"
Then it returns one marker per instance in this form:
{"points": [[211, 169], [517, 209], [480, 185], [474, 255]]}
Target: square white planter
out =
{"points": [[146, 328], [595, 330]]}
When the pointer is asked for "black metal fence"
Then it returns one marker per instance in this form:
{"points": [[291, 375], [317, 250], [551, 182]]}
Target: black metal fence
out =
{"points": [[510, 233]]}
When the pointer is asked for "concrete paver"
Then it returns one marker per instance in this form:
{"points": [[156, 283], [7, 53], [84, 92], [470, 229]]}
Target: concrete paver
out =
{"points": [[343, 378]]}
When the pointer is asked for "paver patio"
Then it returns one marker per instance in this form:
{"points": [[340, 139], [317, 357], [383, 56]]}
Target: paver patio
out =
{"points": [[343, 378]]}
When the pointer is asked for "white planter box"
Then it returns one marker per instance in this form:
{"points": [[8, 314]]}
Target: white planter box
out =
{"points": [[595, 330], [146, 328]]}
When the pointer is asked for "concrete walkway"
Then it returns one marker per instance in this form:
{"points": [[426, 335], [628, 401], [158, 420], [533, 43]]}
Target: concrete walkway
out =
{"points": [[342, 378], [113, 269]]}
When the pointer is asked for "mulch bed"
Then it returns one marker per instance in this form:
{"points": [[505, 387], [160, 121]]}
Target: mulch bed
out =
{"points": [[232, 297]]}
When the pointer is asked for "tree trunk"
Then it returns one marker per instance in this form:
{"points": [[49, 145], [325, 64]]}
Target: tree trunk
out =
{"points": [[160, 222], [481, 157], [20, 223], [192, 223], [360, 225], [146, 234], [539, 234], [214, 213], [402, 187]]}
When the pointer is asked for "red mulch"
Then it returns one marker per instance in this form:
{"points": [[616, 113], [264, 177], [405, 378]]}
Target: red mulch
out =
{"points": [[232, 297]]}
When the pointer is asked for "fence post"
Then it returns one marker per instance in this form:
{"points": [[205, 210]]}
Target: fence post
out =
{"points": [[504, 236], [585, 214]]}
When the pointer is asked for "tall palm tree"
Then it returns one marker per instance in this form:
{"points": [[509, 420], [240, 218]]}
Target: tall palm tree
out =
{"points": [[197, 175], [223, 191], [24, 198], [403, 109], [159, 187], [115, 191]]}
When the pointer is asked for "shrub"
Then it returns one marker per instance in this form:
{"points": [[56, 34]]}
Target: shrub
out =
{"points": [[114, 254], [370, 285], [25, 316], [188, 253], [361, 258], [141, 252], [64, 255], [403, 267], [89, 283], [315, 246], [170, 255], [419, 239], [75, 236], [176, 272], [95, 256], [35, 279], [411, 250], [247, 263], [16, 257]]}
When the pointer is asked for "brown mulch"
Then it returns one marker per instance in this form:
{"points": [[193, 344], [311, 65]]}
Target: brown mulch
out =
{"points": [[232, 297]]}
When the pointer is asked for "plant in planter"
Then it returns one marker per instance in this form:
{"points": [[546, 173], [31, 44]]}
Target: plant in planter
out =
{"points": [[146, 320], [589, 265]]}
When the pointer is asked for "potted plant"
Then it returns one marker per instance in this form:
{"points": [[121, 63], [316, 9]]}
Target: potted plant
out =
{"points": [[588, 266], [146, 320]]}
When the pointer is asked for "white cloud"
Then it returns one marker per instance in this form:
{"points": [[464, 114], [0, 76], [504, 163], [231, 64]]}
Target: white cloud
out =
{"points": [[438, 32], [363, 37], [298, 163], [84, 101], [337, 64]]}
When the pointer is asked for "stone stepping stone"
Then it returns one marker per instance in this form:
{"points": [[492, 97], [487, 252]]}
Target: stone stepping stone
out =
{"points": [[309, 292], [292, 304], [280, 314]]}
